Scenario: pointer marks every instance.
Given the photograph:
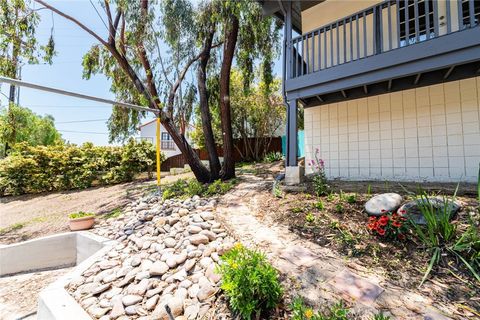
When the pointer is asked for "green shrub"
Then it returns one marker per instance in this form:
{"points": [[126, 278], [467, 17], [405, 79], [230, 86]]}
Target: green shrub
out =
{"points": [[273, 157], [30, 169], [80, 214], [184, 188], [300, 311], [219, 187], [249, 281]]}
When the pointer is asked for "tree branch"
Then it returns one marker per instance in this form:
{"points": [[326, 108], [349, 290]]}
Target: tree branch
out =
{"points": [[78, 23], [181, 76], [111, 29]]}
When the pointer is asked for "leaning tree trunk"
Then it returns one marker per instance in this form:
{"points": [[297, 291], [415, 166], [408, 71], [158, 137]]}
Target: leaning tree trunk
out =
{"points": [[231, 35], [205, 108]]}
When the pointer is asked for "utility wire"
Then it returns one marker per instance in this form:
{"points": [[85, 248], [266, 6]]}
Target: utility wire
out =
{"points": [[78, 121], [76, 95], [85, 132], [98, 13]]}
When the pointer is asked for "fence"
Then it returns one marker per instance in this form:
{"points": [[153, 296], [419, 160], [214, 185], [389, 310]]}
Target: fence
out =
{"points": [[269, 145]]}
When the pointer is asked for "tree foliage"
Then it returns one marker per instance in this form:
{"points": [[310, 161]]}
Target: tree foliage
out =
{"points": [[152, 49], [257, 114], [19, 124], [18, 23]]}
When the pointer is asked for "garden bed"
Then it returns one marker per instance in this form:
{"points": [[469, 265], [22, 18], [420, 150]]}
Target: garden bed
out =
{"points": [[339, 222]]}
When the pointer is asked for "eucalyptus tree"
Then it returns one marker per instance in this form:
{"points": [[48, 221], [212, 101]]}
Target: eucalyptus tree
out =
{"points": [[152, 47], [18, 43]]}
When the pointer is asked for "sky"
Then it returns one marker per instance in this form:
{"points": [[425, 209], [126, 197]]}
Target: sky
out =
{"points": [[71, 43]]}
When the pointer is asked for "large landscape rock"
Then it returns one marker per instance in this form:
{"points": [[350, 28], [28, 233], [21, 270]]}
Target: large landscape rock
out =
{"points": [[166, 255], [412, 209], [385, 202]]}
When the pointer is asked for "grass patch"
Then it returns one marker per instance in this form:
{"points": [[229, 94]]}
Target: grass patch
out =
{"points": [[11, 228], [115, 213]]}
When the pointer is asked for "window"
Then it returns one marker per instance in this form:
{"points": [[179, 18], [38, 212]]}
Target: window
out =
{"points": [[407, 20], [166, 136], [466, 13]]}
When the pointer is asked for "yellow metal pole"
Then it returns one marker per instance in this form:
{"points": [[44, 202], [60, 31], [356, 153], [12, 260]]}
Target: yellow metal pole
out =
{"points": [[158, 153]]}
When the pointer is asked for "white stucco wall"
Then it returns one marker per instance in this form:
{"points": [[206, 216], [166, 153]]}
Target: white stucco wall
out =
{"points": [[430, 133], [149, 132]]}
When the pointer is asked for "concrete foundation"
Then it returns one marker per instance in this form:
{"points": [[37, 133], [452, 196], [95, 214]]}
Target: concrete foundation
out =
{"points": [[294, 175], [80, 249]]}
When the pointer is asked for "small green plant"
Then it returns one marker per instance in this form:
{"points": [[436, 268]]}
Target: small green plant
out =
{"points": [[300, 311], [320, 205], [249, 281], [339, 208], [319, 180], [380, 316], [273, 157], [369, 190], [277, 192], [297, 209], [310, 218], [115, 213], [440, 236], [219, 187], [330, 197], [80, 214], [351, 198]]}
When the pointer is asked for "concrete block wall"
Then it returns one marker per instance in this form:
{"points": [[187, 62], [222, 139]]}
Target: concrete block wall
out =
{"points": [[426, 134]]}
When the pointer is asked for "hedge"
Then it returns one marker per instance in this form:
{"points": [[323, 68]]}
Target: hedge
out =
{"points": [[29, 169]]}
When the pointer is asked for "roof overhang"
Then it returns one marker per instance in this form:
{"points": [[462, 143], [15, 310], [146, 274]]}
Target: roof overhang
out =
{"points": [[273, 7]]}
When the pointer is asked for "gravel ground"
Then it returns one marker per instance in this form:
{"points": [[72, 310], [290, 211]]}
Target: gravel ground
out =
{"points": [[31, 216]]}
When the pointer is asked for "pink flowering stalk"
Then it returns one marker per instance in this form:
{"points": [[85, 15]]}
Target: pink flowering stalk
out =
{"points": [[319, 177]]}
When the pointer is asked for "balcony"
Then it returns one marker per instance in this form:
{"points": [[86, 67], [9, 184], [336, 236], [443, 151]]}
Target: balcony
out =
{"points": [[167, 145], [394, 45]]}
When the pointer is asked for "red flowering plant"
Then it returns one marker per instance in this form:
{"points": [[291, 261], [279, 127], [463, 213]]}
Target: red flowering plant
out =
{"points": [[389, 225]]}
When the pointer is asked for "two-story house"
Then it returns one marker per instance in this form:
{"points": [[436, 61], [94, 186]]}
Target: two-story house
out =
{"points": [[148, 132], [391, 89]]}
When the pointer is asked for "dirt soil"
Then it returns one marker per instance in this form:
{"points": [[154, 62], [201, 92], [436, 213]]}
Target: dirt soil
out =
{"points": [[19, 294], [31, 216], [341, 225]]}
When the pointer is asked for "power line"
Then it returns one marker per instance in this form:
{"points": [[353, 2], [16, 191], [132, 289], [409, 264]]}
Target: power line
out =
{"points": [[61, 106], [21, 83], [84, 132], [98, 13], [78, 121]]}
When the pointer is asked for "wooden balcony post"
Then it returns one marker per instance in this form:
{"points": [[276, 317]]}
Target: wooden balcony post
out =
{"points": [[291, 134], [288, 50]]}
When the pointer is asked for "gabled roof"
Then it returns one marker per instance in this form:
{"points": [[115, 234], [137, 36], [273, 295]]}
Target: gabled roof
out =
{"points": [[272, 7], [146, 123]]}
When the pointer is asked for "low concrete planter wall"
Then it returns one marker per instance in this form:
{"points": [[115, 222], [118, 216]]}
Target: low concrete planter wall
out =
{"points": [[80, 249]]}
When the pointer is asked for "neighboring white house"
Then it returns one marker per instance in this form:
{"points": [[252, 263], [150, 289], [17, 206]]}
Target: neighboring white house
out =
{"points": [[148, 132]]}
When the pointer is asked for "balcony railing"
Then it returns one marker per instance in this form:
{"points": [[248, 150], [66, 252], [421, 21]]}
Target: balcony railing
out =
{"points": [[387, 26], [167, 145]]}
